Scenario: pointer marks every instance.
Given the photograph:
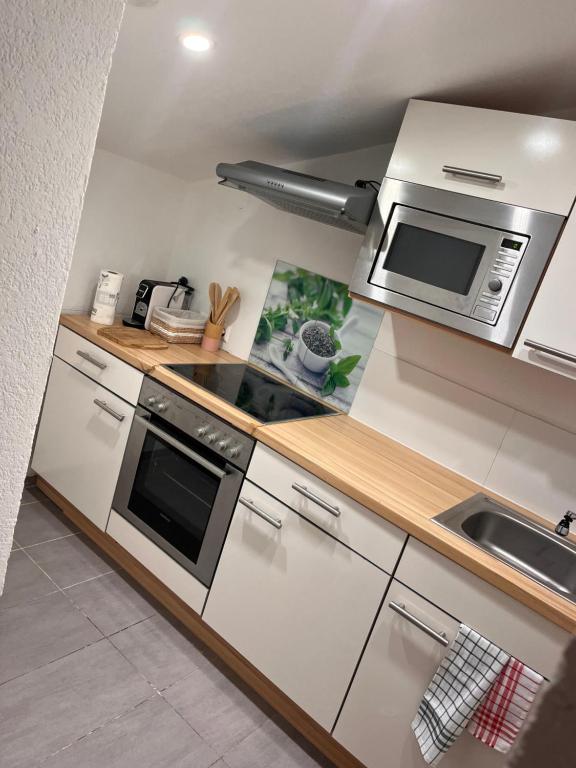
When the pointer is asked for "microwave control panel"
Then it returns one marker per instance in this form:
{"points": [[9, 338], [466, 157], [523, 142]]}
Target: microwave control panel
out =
{"points": [[499, 278]]}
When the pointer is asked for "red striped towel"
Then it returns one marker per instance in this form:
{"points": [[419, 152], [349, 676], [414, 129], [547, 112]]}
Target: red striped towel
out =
{"points": [[498, 720]]}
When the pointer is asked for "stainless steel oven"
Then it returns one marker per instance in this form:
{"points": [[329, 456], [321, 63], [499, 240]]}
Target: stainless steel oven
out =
{"points": [[180, 477], [465, 262]]}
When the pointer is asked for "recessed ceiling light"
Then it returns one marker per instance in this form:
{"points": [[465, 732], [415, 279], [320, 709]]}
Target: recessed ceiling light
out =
{"points": [[194, 42]]}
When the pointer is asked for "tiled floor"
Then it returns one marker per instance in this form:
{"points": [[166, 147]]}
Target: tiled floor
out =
{"points": [[92, 674]]}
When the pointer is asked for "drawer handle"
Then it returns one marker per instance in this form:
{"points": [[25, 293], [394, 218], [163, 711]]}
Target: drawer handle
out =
{"points": [[105, 407], [550, 351], [493, 178], [260, 512], [316, 499], [440, 637], [87, 356]]}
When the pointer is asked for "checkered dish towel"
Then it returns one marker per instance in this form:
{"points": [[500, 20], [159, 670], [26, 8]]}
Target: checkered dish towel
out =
{"points": [[459, 686], [498, 720]]}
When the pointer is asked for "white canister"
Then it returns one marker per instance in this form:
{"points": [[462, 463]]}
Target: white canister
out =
{"points": [[106, 297]]}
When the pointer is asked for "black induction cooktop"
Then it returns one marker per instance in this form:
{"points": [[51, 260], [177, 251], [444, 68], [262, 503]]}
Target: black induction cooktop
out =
{"points": [[253, 391]]}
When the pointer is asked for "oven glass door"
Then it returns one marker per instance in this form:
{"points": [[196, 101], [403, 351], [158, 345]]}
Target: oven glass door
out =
{"points": [[178, 494], [436, 259]]}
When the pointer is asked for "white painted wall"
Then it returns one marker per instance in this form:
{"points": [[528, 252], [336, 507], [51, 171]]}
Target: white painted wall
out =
{"points": [[54, 66], [128, 224], [236, 239]]}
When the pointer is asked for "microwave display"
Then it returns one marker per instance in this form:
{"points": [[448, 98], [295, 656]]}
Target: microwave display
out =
{"points": [[430, 257]]}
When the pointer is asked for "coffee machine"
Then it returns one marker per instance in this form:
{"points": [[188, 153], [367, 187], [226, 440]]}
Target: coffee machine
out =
{"points": [[157, 293]]}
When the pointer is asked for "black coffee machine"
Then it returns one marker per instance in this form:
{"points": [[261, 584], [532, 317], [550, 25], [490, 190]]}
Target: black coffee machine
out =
{"points": [[157, 293]]}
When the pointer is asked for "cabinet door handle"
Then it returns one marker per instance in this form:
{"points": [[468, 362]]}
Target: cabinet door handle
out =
{"points": [[87, 356], [440, 637], [105, 407], [493, 178], [316, 499], [550, 351], [260, 512]]}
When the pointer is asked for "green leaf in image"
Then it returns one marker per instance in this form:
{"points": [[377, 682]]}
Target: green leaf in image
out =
{"points": [[337, 374]]}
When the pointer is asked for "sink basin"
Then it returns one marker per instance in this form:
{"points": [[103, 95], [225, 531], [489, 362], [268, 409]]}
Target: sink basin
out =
{"points": [[530, 548]]}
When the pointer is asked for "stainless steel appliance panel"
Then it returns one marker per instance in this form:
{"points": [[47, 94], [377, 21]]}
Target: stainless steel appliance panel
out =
{"points": [[495, 316]]}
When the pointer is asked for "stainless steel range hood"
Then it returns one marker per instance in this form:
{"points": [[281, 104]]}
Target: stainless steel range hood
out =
{"points": [[330, 202]]}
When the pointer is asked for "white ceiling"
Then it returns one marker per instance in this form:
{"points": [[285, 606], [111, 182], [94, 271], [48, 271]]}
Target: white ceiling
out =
{"points": [[293, 79]]}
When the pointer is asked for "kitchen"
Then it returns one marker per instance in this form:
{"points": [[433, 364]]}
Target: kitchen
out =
{"points": [[355, 520]]}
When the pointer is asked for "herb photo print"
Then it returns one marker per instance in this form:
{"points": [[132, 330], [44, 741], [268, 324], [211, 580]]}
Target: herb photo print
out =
{"points": [[314, 336]]}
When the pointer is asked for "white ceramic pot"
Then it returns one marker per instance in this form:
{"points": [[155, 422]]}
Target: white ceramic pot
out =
{"points": [[309, 359]]}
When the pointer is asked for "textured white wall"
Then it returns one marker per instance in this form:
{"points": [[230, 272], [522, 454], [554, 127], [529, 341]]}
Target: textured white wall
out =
{"points": [[128, 224], [54, 61]]}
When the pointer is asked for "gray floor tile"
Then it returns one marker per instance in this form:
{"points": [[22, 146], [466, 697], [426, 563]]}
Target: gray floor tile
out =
{"points": [[111, 602], [41, 521], [160, 651], [269, 747], [30, 494], [33, 634], [218, 710], [24, 581], [70, 561], [51, 707], [152, 734]]}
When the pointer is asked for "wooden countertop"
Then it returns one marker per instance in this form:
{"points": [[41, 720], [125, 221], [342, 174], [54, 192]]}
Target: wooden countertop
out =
{"points": [[388, 478], [151, 362]]}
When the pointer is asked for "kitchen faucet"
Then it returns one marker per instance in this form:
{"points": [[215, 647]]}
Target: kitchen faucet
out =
{"points": [[563, 527]]}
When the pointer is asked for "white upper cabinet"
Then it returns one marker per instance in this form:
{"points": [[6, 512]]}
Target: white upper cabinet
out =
{"points": [[294, 601], [548, 338], [534, 156]]}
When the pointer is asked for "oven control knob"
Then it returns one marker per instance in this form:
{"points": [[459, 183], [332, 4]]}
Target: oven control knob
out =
{"points": [[152, 400], [235, 451], [223, 444], [201, 431], [212, 437], [162, 407], [495, 285]]}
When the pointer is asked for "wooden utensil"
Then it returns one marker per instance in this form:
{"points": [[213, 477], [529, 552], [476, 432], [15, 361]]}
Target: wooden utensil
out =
{"points": [[212, 297], [232, 297]]}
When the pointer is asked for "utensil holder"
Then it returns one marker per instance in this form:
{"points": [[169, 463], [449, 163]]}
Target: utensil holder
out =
{"points": [[212, 337]]}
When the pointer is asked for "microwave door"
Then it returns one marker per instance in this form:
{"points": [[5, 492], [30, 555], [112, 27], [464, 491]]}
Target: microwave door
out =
{"points": [[435, 259]]}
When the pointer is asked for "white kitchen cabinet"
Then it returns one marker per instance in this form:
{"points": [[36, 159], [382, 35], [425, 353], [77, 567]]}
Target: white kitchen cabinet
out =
{"points": [[535, 156], [80, 444], [294, 601], [397, 665], [359, 528], [97, 364], [548, 338]]}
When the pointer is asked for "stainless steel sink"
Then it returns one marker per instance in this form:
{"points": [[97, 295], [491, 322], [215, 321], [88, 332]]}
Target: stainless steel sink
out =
{"points": [[530, 548]]}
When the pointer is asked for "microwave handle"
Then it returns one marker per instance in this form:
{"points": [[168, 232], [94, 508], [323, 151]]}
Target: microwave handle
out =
{"points": [[220, 473], [493, 178]]}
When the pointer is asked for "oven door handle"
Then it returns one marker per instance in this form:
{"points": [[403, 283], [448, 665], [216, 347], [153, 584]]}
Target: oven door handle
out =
{"points": [[220, 473]]}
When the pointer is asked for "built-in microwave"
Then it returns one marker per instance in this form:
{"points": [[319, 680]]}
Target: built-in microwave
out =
{"points": [[465, 262]]}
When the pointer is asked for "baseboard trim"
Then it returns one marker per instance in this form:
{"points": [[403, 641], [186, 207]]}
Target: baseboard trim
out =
{"points": [[272, 695]]}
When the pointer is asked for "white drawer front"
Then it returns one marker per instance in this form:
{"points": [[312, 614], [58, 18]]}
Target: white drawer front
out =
{"points": [[354, 525], [293, 601], [157, 562], [532, 154], [110, 371], [514, 627]]}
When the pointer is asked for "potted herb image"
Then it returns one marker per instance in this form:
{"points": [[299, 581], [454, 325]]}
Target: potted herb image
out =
{"points": [[312, 334]]}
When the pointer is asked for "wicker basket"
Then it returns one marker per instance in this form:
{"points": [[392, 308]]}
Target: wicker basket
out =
{"points": [[178, 326]]}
